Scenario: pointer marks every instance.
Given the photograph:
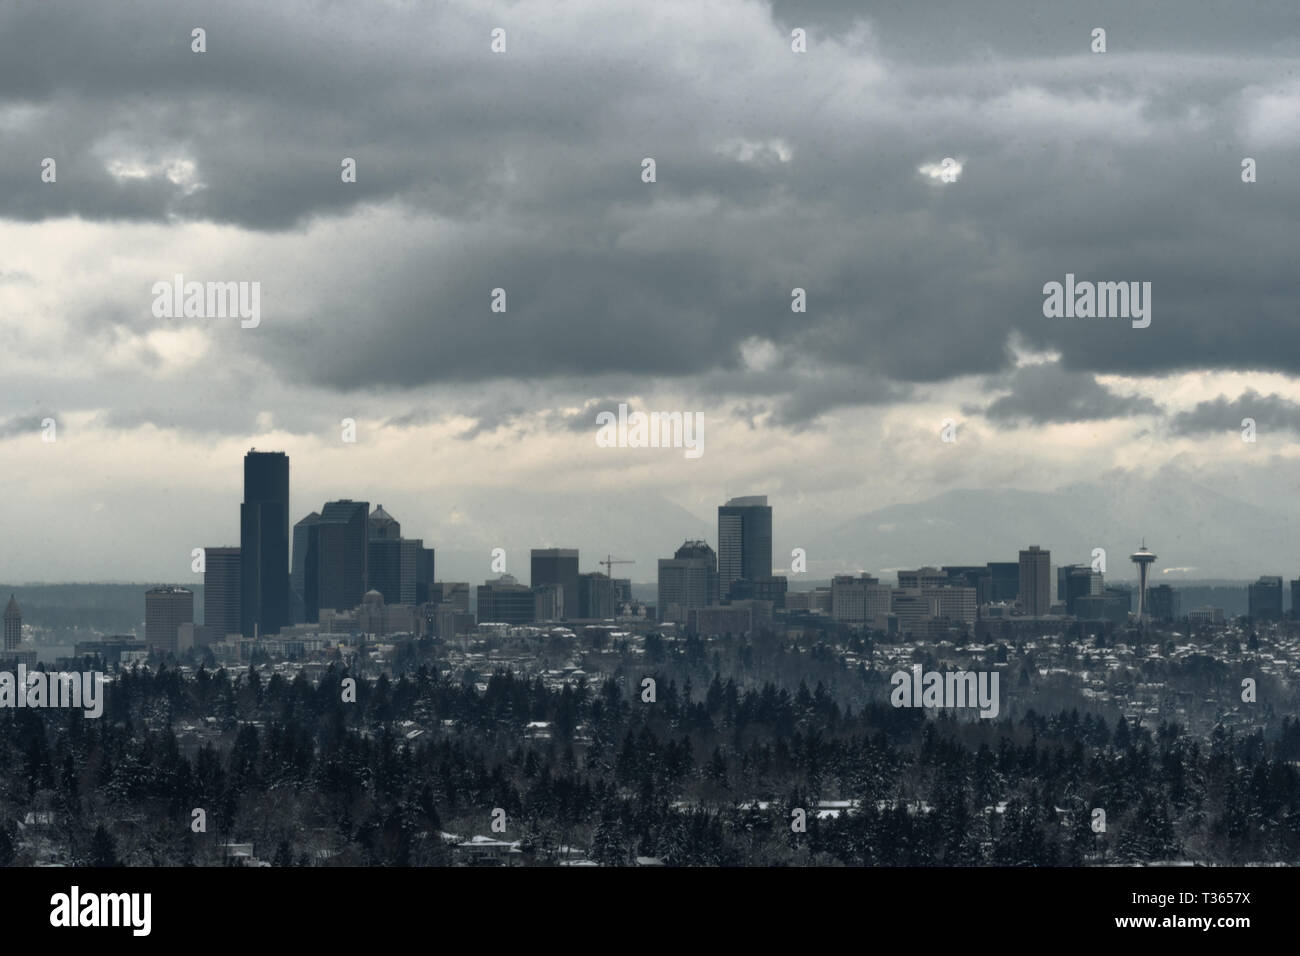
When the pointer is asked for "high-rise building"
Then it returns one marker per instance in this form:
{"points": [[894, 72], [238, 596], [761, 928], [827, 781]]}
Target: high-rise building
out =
{"points": [[342, 565], [304, 607], [424, 581], [264, 544], [548, 602], [221, 591], [595, 596], [860, 599], [505, 601], [1295, 598], [559, 566], [165, 610], [1004, 581], [978, 577], [688, 579], [1162, 603], [772, 588], [744, 541], [401, 569], [13, 625], [1036, 581], [384, 568], [383, 526], [1264, 599], [923, 578], [955, 604], [453, 593], [1074, 581]]}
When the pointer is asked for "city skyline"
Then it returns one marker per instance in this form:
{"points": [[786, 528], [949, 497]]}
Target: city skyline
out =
{"points": [[819, 171]]}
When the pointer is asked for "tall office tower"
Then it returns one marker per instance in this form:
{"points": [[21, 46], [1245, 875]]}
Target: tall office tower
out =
{"points": [[264, 544], [595, 596], [383, 526], [221, 591], [505, 601], [1144, 558], [1264, 599], [688, 579], [13, 625], [165, 609], [424, 575], [1162, 603], [1295, 598], [304, 607], [1036, 581], [408, 566], [744, 541], [558, 566], [384, 557], [1074, 581], [622, 591], [341, 565], [1004, 581]]}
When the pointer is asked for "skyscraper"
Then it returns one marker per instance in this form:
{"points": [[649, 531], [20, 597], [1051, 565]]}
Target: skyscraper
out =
{"points": [[13, 625], [688, 579], [558, 566], [1004, 581], [342, 565], [1162, 603], [221, 591], [744, 541], [1036, 581], [1264, 599], [305, 607], [264, 543], [165, 609], [505, 601]]}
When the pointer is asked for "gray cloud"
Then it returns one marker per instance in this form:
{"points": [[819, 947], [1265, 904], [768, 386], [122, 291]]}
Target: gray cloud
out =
{"points": [[1047, 394], [1270, 412]]}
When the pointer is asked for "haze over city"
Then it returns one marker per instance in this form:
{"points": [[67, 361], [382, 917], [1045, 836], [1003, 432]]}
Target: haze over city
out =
{"points": [[820, 171]]}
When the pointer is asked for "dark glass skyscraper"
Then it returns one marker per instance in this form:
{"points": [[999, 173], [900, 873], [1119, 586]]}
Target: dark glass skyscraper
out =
{"points": [[304, 599], [264, 543], [558, 566], [342, 566], [221, 589], [744, 541]]}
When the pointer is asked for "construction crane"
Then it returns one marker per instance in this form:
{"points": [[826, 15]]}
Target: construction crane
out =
{"points": [[609, 563]]}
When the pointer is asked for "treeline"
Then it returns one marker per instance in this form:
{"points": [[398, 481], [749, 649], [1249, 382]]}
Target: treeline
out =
{"points": [[711, 774]]}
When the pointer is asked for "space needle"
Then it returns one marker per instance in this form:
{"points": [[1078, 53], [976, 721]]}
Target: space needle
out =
{"points": [[1143, 558]]}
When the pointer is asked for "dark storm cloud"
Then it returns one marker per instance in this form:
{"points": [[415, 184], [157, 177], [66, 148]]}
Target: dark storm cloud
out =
{"points": [[1270, 412], [956, 29], [1046, 394], [21, 425], [1123, 166]]}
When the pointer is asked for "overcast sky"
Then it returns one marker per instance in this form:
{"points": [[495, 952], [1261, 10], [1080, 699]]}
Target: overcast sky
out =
{"points": [[522, 170]]}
